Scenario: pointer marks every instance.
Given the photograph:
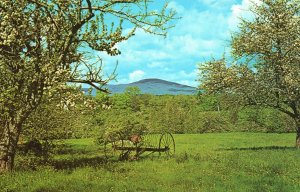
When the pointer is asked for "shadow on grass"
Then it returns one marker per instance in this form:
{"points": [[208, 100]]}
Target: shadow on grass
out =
{"points": [[81, 157], [258, 148], [69, 157], [100, 161], [80, 162]]}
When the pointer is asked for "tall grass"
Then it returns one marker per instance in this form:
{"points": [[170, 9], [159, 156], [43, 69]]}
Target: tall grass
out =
{"points": [[206, 162]]}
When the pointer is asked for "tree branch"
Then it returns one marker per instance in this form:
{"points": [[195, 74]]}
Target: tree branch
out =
{"points": [[105, 90]]}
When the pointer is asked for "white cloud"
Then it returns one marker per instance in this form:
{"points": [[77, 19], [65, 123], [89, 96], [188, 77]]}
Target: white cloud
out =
{"points": [[136, 75], [177, 7], [200, 34], [183, 73], [241, 10]]}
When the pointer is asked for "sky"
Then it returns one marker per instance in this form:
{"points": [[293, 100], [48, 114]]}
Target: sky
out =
{"points": [[203, 32]]}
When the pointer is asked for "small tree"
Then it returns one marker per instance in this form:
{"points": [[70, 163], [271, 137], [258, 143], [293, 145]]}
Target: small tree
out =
{"points": [[43, 45], [133, 93], [270, 43]]}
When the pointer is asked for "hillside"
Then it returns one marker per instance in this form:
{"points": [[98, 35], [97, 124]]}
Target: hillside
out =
{"points": [[155, 87]]}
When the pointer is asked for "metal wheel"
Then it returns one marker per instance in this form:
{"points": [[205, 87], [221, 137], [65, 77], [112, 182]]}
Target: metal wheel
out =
{"points": [[167, 143], [110, 150]]}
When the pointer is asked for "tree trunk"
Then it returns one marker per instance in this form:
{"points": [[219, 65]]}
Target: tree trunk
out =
{"points": [[297, 122], [8, 145], [298, 137]]}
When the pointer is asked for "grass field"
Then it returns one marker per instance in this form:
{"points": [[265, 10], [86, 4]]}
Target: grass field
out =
{"points": [[207, 162]]}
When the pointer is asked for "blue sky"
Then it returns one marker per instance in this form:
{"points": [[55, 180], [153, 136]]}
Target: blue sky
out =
{"points": [[203, 31]]}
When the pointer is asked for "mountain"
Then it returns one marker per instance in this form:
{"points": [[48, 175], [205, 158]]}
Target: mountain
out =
{"points": [[154, 86]]}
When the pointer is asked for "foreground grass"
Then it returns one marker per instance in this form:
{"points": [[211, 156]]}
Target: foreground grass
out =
{"points": [[207, 162]]}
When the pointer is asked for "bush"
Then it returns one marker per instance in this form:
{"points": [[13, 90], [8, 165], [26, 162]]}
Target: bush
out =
{"points": [[264, 120]]}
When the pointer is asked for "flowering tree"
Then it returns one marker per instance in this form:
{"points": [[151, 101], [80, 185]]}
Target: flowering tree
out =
{"points": [[43, 45], [268, 45]]}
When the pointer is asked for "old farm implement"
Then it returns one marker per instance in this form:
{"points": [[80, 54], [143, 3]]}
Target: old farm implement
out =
{"points": [[133, 146]]}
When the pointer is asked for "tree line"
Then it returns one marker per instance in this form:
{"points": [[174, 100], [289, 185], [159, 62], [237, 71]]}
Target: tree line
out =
{"points": [[134, 113]]}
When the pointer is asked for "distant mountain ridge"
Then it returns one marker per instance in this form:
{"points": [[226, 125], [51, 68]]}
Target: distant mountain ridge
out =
{"points": [[160, 81], [153, 86]]}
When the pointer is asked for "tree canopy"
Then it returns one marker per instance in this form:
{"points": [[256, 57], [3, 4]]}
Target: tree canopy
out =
{"points": [[267, 71], [44, 45]]}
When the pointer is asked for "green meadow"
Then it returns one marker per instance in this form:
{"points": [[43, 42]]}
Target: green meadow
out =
{"points": [[203, 162]]}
